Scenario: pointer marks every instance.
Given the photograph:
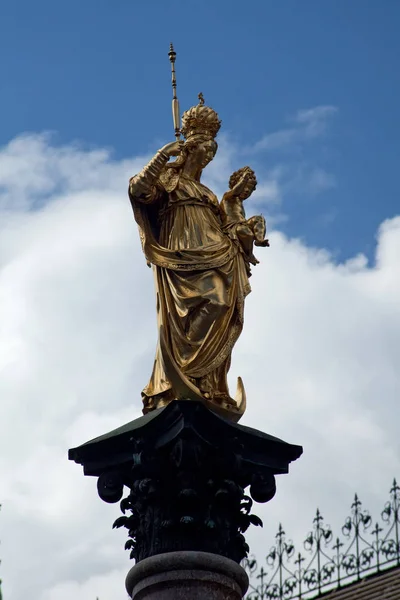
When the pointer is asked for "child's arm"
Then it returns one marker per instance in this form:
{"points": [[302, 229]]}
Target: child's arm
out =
{"points": [[229, 195]]}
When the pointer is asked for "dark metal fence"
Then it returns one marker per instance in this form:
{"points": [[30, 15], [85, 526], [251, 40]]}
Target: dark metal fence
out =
{"points": [[329, 562]]}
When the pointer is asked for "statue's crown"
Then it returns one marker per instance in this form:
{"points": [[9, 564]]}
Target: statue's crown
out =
{"points": [[200, 120]]}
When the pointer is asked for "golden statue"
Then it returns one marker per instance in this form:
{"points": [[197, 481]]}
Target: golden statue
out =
{"points": [[200, 251]]}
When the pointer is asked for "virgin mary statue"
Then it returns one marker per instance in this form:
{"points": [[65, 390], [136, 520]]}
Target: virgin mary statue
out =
{"points": [[201, 274]]}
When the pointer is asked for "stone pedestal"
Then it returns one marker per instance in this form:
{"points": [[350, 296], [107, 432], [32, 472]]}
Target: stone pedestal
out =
{"points": [[186, 470], [187, 575]]}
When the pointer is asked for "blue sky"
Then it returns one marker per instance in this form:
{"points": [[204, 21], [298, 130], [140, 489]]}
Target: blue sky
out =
{"points": [[97, 71], [308, 92]]}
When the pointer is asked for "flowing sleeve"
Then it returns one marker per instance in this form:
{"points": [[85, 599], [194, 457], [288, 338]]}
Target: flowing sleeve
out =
{"points": [[144, 187]]}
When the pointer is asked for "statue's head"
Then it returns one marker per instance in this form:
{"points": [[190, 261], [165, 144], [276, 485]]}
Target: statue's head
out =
{"points": [[250, 181], [200, 125], [201, 149], [200, 120]]}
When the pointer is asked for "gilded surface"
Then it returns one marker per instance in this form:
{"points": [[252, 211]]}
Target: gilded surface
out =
{"points": [[200, 251]]}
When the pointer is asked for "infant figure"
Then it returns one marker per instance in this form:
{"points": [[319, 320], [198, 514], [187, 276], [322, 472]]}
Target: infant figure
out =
{"points": [[247, 232]]}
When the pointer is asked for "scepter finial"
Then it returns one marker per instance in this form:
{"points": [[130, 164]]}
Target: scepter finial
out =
{"points": [[171, 53], [175, 102]]}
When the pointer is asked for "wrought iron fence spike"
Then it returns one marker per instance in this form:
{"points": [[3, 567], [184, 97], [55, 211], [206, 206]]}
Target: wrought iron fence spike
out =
{"points": [[335, 562]]}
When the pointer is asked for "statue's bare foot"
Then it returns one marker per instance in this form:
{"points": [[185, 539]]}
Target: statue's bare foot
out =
{"points": [[253, 260], [263, 243]]}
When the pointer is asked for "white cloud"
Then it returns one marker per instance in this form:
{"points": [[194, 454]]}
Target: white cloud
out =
{"points": [[292, 173], [319, 180], [77, 335], [308, 124], [99, 586], [315, 119], [267, 193]]}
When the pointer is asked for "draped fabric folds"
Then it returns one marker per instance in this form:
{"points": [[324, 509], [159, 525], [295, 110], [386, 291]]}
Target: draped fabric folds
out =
{"points": [[201, 284]]}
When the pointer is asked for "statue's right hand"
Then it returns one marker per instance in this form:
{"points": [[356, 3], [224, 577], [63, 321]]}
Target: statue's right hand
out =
{"points": [[173, 148]]}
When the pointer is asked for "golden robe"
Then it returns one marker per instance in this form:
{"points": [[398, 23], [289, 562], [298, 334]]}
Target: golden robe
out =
{"points": [[201, 280]]}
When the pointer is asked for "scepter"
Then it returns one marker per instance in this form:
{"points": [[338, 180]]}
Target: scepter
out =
{"points": [[175, 102]]}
